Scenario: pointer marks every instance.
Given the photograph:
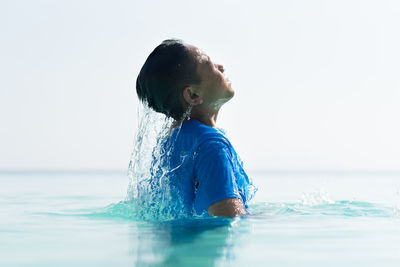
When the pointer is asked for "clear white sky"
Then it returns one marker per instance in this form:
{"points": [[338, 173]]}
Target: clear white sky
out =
{"points": [[317, 82]]}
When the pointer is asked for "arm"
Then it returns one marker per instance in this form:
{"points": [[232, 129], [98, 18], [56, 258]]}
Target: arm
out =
{"points": [[227, 207], [217, 191]]}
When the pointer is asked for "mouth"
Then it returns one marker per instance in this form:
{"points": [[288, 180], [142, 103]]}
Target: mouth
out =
{"points": [[227, 79], [229, 82]]}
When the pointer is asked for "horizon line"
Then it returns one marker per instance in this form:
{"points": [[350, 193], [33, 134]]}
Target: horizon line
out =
{"points": [[258, 170]]}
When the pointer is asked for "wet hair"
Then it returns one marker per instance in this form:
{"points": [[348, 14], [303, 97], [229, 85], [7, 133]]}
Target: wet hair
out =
{"points": [[168, 69]]}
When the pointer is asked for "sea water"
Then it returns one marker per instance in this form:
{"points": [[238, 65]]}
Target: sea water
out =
{"points": [[296, 219]]}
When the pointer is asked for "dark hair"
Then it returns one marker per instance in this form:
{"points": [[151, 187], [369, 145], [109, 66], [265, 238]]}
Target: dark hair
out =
{"points": [[168, 69]]}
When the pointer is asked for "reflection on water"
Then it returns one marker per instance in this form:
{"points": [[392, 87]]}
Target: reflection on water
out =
{"points": [[202, 242]]}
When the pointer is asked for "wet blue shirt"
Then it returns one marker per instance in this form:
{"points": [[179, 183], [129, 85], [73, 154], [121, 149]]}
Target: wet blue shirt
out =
{"points": [[205, 168]]}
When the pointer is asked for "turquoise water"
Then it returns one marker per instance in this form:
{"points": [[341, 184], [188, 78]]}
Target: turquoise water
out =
{"points": [[297, 219]]}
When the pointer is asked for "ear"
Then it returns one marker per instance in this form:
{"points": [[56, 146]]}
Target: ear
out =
{"points": [[191, 96]]}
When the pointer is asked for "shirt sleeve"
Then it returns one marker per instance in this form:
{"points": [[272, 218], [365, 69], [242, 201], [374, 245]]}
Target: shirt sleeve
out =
{"points": [[214, 175]]}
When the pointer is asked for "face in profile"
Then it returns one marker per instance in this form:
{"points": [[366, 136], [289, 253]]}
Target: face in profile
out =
{"points": [[214, 88]]}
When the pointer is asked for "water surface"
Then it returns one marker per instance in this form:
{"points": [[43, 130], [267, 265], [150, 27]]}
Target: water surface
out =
{"points": [[296, 219]]}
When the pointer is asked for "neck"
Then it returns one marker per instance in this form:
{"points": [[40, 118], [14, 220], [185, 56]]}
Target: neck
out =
{"points": [[206, 117]]}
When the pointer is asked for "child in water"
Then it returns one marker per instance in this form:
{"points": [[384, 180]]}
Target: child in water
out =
{"points": [[182, 82]]}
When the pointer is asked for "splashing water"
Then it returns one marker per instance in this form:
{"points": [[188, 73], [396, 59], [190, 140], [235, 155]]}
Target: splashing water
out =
{"points": [[317, 197], [149, 190]]}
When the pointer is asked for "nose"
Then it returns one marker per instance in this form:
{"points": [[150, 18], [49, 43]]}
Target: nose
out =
{"points": [[220, 68]]}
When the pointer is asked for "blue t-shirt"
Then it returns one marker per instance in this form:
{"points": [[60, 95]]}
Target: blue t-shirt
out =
{"points": [[204, 168]]}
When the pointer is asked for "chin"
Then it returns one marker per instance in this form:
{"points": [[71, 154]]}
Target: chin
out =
{"points": [[229, 97]]}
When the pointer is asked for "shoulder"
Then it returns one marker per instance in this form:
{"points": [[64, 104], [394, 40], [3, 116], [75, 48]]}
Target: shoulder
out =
{"points": [[204, 134], [213, 152], [214, 146]]}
